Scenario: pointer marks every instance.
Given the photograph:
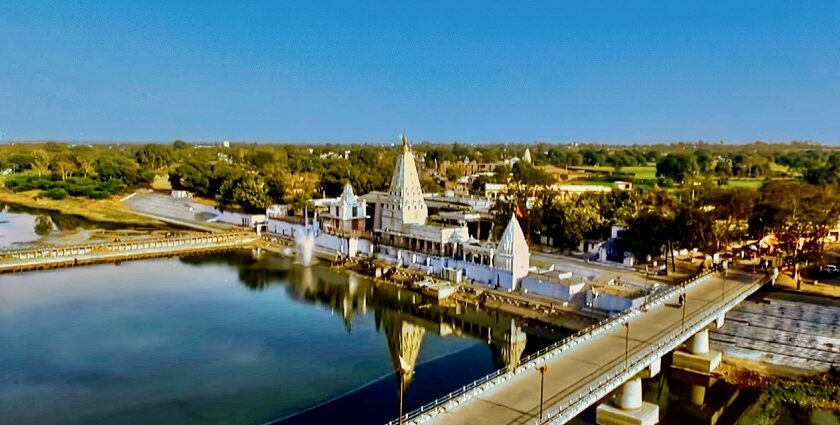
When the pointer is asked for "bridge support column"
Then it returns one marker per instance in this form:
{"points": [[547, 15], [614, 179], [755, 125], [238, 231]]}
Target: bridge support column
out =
{"points": [[627, 407], [697, 357], [718, 323]]}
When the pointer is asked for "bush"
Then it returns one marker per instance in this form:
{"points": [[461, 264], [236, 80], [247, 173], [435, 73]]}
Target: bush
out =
{"points": [[24, 182], [98, 194], [56, 193]]}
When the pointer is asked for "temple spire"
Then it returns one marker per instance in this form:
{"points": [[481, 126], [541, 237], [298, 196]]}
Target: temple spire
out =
{"points": [[405, 203]]}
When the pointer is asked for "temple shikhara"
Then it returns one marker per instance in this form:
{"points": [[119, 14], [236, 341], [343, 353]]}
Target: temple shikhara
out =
{"points": [[396, 226]]}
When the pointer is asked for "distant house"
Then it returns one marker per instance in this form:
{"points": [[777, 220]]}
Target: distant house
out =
{"points": [[622, 185], [181, 194], [613, 251]]}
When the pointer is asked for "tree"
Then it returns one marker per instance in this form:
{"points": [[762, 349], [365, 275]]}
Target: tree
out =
{"points": [[300, 187], [40, 161], [694, 228], [248, 192], [676, 167], [723, 169], [86, 163], [64, 167], [647, 234], [155, 157], [529, 175], [568, 223], [799, 215]]}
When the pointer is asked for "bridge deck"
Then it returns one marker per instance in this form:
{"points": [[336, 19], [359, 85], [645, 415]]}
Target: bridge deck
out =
{"points": [[77, 255], [516, 400]]}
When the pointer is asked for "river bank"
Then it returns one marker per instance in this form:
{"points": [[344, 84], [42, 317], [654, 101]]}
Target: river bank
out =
{"points": [[103, 210], [785, 393]]}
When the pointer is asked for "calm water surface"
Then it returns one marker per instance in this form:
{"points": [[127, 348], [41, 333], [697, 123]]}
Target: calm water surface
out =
{"points": [[20, 226], [237, 338]]}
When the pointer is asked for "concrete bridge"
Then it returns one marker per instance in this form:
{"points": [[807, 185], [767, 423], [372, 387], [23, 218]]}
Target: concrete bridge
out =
{"points": [[615, 354], [75, 255]]}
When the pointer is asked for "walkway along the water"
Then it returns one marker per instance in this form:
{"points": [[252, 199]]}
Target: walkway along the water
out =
{"points": [[76, 255], [585, 368]]}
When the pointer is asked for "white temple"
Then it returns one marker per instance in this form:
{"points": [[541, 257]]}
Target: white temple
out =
{"points": [[527, 156], [404, 234], [406, 204], [512, 252], [346, 215]]}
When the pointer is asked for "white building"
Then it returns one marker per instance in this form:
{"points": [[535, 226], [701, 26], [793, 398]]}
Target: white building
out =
{"points": [[346, 215]]}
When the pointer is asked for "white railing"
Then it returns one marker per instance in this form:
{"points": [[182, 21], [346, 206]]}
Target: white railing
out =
{"points": [[56, 251], [609, 381], [439, 405]]}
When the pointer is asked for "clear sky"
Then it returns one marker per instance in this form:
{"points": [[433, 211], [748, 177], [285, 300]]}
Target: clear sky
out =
{"points": [[607, 71]]}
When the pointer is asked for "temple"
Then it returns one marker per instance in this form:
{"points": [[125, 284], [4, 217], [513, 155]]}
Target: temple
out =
{"points": [[404, 233], [397, 227]]}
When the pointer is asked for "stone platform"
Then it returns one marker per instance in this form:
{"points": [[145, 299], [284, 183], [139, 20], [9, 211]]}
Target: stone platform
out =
{"points": [[607, 414], [700, 363]]}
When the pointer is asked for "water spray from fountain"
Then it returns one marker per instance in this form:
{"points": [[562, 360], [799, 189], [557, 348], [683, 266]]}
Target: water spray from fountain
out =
{"points": [[305, 239]]}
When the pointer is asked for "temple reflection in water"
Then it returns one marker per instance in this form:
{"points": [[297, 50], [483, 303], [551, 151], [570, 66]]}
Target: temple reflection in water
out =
{"points": [[402, 315]]}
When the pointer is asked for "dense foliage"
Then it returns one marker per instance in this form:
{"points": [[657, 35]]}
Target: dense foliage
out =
{"points": [[686, 200]]}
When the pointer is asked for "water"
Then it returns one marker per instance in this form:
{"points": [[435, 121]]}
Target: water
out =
{"points": [[236, 338], [21, 226]]}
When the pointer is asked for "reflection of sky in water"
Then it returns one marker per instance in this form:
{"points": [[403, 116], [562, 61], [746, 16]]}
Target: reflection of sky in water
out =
{"points": [[167, 342], [16, 228]]}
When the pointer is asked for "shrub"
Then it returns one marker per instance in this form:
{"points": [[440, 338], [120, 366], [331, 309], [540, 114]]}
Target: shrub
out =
{"points": [[56, 193]]}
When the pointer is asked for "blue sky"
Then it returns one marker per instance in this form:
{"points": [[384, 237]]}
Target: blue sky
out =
{"points": [[606, 71]]}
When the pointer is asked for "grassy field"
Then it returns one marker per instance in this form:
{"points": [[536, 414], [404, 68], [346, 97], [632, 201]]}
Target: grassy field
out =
{"points": [[745, 182], [640, 171], [105, 210]]}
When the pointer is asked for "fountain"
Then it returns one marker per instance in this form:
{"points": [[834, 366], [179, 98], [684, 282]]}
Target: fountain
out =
{"points": [[305, 241]]}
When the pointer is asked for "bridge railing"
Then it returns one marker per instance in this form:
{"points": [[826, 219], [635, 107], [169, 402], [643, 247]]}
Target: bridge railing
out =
{"points": [[533, 360], [56, 251], [610, 380]]}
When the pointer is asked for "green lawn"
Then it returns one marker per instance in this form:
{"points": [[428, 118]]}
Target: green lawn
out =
{"points": [[640, 171], [745, 182]]}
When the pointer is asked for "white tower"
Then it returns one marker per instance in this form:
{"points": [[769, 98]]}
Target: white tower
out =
{"points": [[527, 156], [512, 253], [406, 204]]}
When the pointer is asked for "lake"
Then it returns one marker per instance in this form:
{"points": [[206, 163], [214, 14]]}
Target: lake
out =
{"points": [[22, 226], [235, 338], [247, 337]]}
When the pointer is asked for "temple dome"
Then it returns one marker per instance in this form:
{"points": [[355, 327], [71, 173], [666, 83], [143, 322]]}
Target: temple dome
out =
{"points": [[347, 196], [513, 239]]}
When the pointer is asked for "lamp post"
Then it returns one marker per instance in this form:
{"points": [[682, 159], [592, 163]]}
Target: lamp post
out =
{"points": [[684, 302], [723, 287], [542, 370], [403, 370], [626, 344], [402, 390]]}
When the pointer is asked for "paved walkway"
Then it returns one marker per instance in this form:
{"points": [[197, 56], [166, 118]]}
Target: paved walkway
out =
{"points": [[174, 211], [516, 401]]}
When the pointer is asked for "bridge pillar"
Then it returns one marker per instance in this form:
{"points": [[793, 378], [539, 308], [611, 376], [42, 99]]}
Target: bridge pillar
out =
{"points": [[697, 357], [719, 321], [627, 407], [698, 395]]}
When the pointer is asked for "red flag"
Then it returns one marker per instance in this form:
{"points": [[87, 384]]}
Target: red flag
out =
{"points": [[518, 211]]}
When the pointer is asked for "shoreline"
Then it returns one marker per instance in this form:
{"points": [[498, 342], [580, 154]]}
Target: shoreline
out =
{"points": [[104, 211]]}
